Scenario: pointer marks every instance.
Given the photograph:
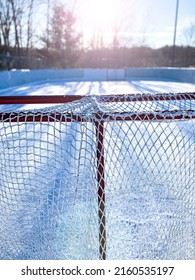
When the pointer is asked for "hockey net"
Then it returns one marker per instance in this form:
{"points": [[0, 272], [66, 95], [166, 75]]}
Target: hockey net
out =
{"points": [[98, 177]]}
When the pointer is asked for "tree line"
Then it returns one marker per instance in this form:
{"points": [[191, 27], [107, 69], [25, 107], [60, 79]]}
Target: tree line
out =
{"points": [[59, 43]]}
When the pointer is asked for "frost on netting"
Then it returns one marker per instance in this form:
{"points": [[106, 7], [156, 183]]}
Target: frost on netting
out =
{"points": [[103, 177]]}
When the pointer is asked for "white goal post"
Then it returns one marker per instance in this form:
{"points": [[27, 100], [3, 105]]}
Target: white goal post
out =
{"points": [[106, 176]]}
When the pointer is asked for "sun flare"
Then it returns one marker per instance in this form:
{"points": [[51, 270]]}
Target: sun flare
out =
{"points": [[101, 13]]}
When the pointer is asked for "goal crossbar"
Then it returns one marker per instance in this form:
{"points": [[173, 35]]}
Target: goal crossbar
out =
{"points": [[56, 99], [103, 116]]}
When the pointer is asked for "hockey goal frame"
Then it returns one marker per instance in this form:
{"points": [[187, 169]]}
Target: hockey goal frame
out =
{"points": [[98, 120]]}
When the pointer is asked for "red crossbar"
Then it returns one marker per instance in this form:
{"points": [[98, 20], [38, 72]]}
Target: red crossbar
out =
{"points": [[42, 99], [56, 99]]}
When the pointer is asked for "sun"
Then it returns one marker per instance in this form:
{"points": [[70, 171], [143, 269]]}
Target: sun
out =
{"points": [[98, 19], [100, 13]]}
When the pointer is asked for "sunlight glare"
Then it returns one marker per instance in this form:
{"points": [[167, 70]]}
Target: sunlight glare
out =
{"points": [[101, 13]]}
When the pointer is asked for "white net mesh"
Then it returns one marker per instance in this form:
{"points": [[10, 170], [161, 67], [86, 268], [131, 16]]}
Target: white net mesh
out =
{"points": [[109, 177]]}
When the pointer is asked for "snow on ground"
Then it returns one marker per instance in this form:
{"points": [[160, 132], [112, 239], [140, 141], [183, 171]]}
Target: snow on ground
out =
{"points": [[48, 189]]}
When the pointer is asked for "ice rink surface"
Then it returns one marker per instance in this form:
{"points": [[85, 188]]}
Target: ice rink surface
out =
{"points": [[48, 187], [60, 87]]}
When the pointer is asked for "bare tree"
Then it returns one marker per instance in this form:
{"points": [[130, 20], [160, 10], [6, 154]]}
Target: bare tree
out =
{"points": [[6, 20], [189, 35], [29, 25], [122, 22], [17, 13], [189, 41]]}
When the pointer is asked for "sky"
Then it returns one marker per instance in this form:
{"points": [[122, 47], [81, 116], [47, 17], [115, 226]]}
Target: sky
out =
{"points": [[149, 22]]}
